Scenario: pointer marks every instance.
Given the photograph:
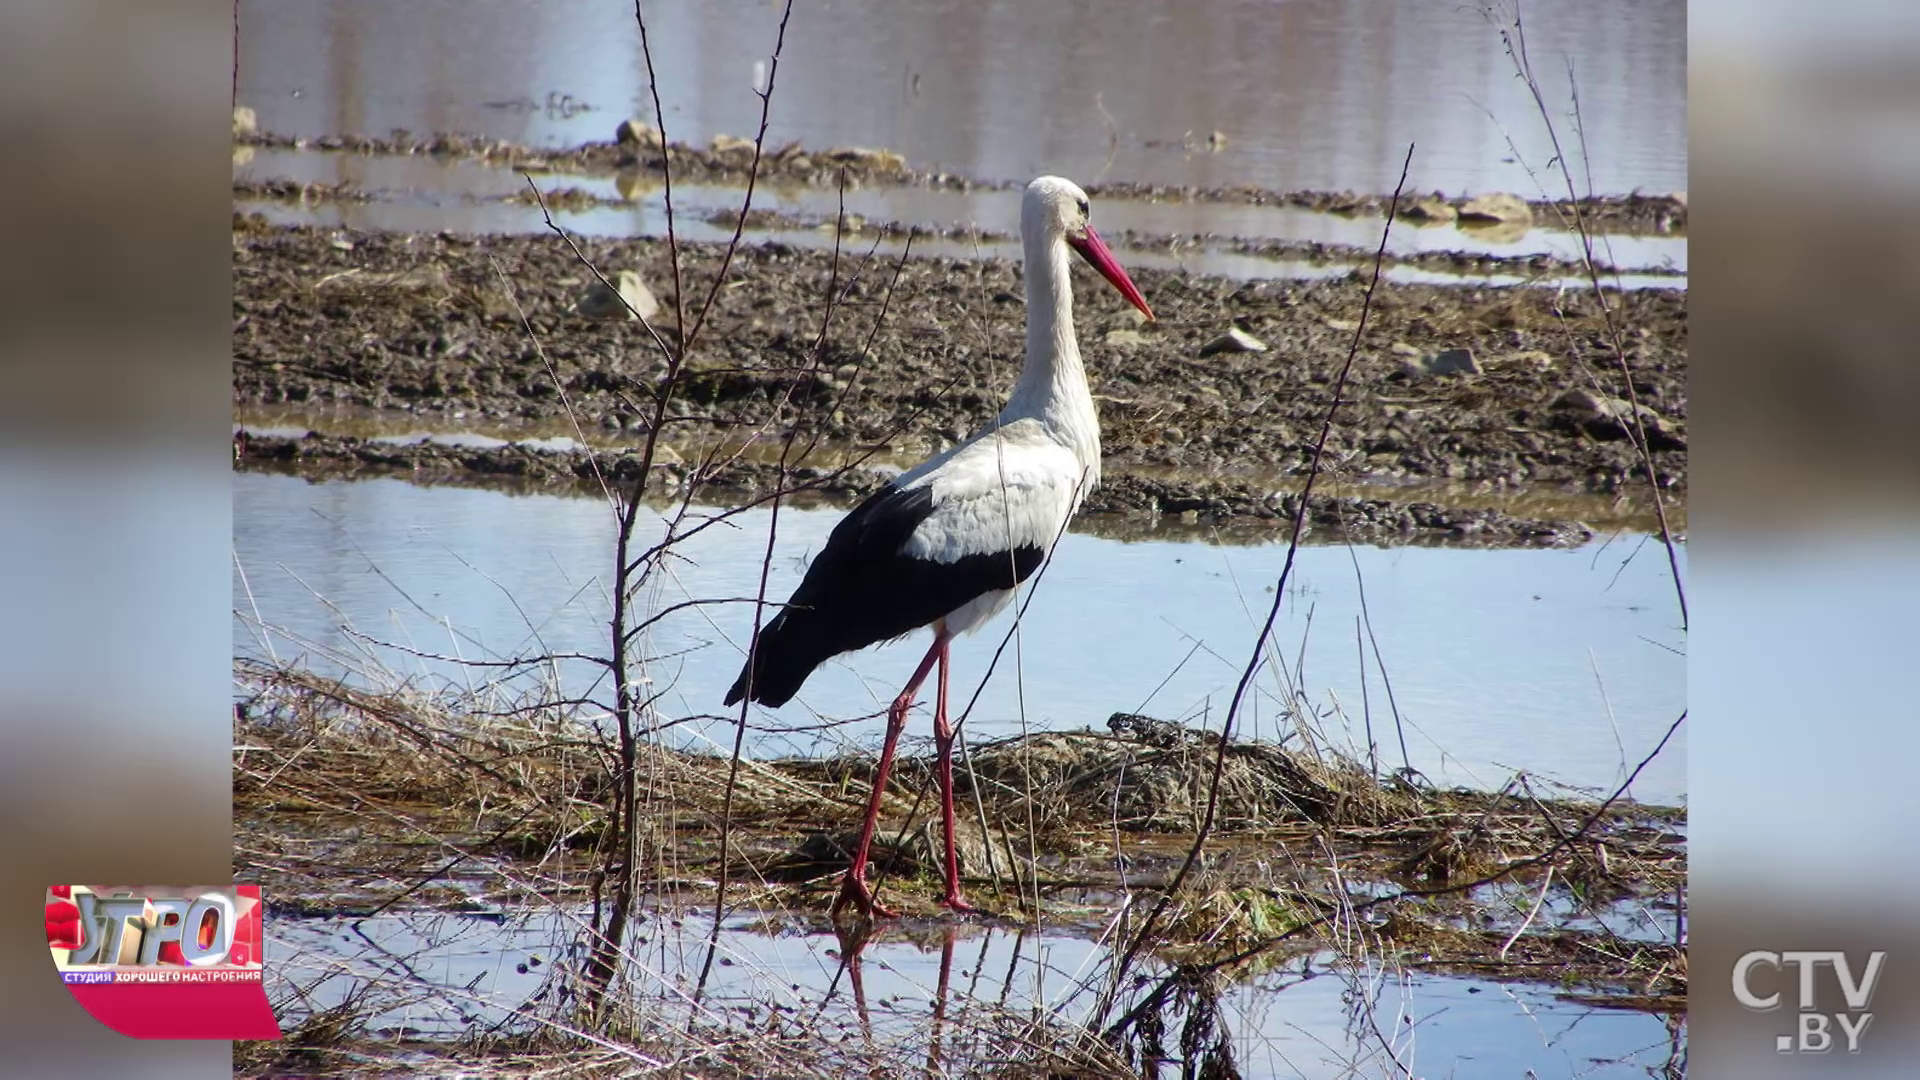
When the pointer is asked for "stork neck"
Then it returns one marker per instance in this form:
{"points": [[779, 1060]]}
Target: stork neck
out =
{"points": [[1053, 384]]}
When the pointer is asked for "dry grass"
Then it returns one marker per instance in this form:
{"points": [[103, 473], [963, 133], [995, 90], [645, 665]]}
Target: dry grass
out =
{"points": [[310, 747], [354, 798]]}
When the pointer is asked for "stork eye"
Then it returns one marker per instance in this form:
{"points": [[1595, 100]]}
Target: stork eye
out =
{"points": [[1085, 210]]}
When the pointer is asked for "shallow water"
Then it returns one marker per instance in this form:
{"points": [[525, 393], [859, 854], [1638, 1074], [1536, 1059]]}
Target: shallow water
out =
{"points": [[1567, 664], [425, 194], [429, 217], [1298, 1019], [1310, 94]]}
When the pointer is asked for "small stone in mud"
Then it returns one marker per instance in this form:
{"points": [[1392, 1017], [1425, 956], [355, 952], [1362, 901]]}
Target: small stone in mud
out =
{"points": [[1444, 362], [635, 133], [1234, 340], [1500, 207], [599, 302], [1432, 208], [1604, 417]]}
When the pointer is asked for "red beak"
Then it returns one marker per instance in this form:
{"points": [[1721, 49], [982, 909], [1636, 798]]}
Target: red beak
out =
{"points": [[1094, 250]]}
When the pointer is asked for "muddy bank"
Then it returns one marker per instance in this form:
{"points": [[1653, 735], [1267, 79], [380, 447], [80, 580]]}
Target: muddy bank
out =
{"points": [[1213, 502], [729, 160], [425, 324]]}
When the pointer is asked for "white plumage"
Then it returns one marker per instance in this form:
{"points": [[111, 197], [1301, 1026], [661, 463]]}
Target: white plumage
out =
{"points": [[947, 542], [1007, 489], [1012, 487]]}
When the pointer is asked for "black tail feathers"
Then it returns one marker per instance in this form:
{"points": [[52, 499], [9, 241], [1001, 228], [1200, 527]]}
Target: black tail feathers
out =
{"points": [[779, 666]]}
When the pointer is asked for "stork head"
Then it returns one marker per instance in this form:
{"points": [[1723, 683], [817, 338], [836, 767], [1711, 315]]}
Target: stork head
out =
{"points": [[1056, 210]]}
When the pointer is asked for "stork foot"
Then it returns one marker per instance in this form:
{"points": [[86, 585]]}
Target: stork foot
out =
{"points": [[854, 890], [958, 904]]}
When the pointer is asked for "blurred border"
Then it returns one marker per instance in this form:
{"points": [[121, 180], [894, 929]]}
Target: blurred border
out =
{"points": [[114, 510], [1805, 145], [114, 517]]}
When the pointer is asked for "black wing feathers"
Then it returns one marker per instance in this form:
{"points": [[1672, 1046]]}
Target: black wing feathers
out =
{"points": [[861, 590]]}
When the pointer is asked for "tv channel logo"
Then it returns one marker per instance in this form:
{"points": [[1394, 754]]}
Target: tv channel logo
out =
{"points": [[164, 962], [1760, 984]]}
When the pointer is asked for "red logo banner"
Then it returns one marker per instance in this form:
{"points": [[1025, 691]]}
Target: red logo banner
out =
{"points": [[164, 961]]}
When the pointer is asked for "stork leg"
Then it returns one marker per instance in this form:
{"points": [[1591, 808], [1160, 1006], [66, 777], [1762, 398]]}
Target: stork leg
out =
{"points": [[943, 733], [854, 888]]}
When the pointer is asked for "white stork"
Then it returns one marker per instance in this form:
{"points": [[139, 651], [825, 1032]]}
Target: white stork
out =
{"points": [[947, 542]]}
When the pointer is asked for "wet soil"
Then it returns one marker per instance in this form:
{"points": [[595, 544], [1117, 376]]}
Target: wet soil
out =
{"points": [[730, 160], [1106, 511], [432, 326]]}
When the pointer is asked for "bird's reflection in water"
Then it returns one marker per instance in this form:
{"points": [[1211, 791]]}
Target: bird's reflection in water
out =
{"points": [[854, 936]]}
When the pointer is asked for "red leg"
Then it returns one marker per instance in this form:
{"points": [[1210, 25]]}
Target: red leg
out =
{"points": [[854, 888], [943, 733]]}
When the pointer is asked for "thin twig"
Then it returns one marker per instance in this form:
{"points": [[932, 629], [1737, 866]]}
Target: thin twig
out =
{"points": [[1516, 42], [1147, 926]]}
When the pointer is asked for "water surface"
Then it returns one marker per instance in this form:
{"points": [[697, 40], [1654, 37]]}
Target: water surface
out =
{"points": [[922, 989], [1308, 94], [1566, 664], [424, 194]]}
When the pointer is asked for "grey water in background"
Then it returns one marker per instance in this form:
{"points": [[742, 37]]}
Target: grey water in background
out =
{"points": [[1308, 94]]}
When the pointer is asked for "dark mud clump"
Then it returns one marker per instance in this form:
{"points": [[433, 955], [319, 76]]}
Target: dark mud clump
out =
{"points": [[425, 324]]}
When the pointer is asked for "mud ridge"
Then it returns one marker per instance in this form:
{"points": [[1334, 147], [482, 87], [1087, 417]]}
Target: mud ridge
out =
{"points": [[1330, 519], [730, 160], [431, 326]]}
